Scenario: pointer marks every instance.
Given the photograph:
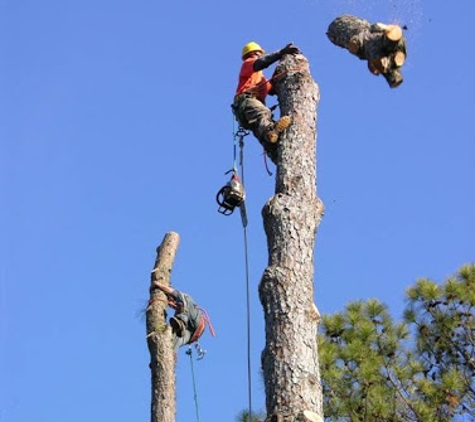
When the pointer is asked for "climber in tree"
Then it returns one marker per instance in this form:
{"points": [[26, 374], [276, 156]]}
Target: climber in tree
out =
{"points": [[250, 99], [189, 322]]}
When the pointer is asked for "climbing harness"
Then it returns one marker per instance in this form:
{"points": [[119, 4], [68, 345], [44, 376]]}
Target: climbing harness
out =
{"points": [[207, 320], [204, 321]]}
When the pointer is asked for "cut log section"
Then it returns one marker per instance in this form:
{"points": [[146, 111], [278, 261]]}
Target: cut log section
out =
{"points": [[392, 32], [399, 58], [383, 46]]}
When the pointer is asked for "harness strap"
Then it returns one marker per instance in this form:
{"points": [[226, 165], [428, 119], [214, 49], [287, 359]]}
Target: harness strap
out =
{"points": [[265, 163], [204, 321], [199, 331], [207, 319]]}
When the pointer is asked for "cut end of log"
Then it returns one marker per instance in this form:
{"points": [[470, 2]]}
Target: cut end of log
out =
{"points": [[383, 64], [399, 58], [312, 416], [393, 32], [377, 66]]}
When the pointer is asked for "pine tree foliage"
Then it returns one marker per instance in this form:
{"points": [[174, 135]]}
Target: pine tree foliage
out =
{"points": [[419, 369], [443, 318], [361, 361], [244, 416]]}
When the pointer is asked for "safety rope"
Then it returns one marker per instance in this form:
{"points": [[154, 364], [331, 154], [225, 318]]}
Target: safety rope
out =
{"points": [[195, 393], [239, 135], [248, 303]]}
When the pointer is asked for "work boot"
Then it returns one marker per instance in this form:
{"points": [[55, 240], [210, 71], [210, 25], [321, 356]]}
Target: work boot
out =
{"points": [[178, 326], [272, 135]]}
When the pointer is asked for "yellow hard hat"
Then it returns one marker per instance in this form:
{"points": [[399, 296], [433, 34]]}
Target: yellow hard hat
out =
{"points": [[250, 47]]}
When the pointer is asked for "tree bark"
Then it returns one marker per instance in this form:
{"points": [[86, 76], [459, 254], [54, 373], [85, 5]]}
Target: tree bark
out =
{"points": [[382, 45], [291, 216], [159, 335]]}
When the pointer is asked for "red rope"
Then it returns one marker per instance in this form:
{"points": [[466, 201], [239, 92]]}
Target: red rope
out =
{"points": [[208, 321]]}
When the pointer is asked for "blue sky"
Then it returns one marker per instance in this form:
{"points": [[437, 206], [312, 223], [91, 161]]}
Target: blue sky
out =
{"points": [[116, 128]]}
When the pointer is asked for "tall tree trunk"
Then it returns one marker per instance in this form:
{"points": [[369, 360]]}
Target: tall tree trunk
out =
{"points": [[159, 335], [382, 45], [291, 216]]}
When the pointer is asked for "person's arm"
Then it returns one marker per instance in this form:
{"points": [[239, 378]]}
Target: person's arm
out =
{"points": [[165, 289], [268, 59]]}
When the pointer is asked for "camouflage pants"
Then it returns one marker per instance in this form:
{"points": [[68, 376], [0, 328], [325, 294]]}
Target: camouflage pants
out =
{"points": [[181, 341], [252, 114]]}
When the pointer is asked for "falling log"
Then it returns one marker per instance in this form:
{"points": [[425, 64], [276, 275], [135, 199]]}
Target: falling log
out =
{"points": [[383, 46]]}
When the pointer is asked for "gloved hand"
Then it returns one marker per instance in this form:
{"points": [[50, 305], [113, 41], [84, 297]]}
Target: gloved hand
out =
{"points": [[290, 49]]}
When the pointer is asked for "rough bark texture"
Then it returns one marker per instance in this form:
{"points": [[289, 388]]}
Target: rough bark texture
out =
{"points": [[383, 46], [290, 358], [159, 336]]}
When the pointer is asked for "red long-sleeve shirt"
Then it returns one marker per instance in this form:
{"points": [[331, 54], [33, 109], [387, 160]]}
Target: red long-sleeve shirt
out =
{"points": [[253, 81]]}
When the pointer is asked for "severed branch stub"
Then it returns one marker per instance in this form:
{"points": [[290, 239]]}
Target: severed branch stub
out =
{"points": [[382, 45]]}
